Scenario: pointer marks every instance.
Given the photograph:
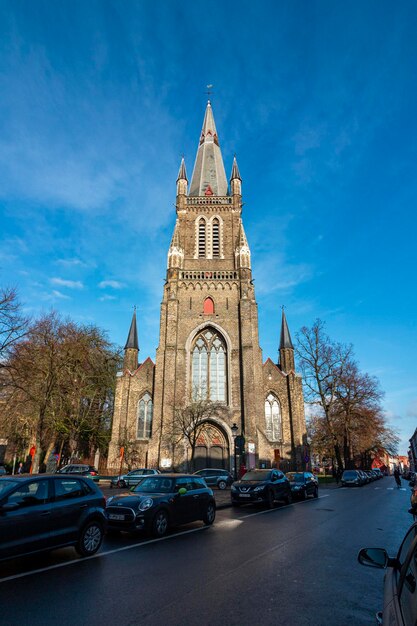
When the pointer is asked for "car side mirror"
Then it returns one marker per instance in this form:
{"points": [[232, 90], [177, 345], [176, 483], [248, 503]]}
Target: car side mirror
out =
{"points": [[374, 557], [182, 491], [9, 506]]}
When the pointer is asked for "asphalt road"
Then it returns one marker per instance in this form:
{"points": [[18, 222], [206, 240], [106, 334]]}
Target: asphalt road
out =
{"points": [[294, 565]]}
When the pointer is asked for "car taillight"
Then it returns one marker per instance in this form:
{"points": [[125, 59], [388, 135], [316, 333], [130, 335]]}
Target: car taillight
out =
{"points": [[93, 473]]}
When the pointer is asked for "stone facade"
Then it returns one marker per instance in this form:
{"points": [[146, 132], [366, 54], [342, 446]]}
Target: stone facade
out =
{"points": [[208, 343]]}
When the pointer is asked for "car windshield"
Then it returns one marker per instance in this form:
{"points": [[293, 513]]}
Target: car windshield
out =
{"points": [[155, 484], [293, 477], [5, 484], [351, 474], [257, 476]]}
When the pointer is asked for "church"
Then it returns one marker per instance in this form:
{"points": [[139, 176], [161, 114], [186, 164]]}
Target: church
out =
{"points": [[209, 367]]}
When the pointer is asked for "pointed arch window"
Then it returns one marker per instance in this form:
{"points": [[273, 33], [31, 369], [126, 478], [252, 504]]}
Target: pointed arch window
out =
{"points": [[216, 238], [145, 413], [202, 237], [273, 419], [208, 363]]}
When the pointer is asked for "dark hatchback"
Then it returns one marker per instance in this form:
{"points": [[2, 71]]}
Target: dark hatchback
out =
{"points": [[303, 484], [400, 584], [261, 486], [161, 501], [47, 512]]}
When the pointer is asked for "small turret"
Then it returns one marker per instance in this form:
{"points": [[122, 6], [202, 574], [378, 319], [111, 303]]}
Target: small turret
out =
{"points": [[175, 252], [130, 360], [286, 349], [242, 252], [235, 179], [182, 180]]}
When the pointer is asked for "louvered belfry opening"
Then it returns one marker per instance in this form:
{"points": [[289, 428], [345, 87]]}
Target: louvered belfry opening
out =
{"points": [[216, 238], [202, 238]]}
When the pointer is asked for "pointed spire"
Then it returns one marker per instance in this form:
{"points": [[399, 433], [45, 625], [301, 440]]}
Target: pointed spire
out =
{"points": [[132, 339], [182, 174], [235, 170], [209, 177], [285, 341]]}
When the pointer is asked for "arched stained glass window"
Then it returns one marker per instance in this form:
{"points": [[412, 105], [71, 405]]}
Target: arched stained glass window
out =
{"points": [[273, 420], [209, 365], [202, 237], [216, 238], [145, 411]]}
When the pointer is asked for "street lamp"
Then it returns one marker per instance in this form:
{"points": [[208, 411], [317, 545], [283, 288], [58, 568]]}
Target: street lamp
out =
{"points": [[234, 428]]}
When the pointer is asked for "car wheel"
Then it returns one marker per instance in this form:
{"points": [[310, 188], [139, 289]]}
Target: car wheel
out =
{"points": [[90, 539], [270, 499], [222, 484], [316, 492], [289, 498], [160, 524], [121, 483], [210, 514]]}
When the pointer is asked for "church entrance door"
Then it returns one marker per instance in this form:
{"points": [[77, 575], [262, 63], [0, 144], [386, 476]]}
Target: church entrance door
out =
{"points": [[212, 449]]}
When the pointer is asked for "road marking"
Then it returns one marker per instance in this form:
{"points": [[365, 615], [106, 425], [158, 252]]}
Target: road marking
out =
{"points": [[281, 508], [100, 554], [390, 488], [139, 544]]}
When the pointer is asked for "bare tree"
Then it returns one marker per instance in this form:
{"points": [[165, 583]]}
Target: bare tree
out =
{"points": [[322, 363], [58, 384], [13, 325]]}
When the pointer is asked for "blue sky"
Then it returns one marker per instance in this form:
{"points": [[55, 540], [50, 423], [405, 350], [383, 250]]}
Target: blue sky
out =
{"points": [[99, 100]]}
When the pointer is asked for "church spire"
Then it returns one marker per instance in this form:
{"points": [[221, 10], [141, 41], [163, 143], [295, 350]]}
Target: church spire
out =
{"points": [[175, 252], [242, 251], [286, 349], [130, 360], [209, 176]]}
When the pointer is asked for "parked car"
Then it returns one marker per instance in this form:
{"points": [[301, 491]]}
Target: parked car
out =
{"points": [[132, 478], [378, 472], [80, 469], [3, 471], [261, 486], [161, 501], [351, 478], [216, 477], [400, 583], [370, 475], [303, 484], [45, 512], [364, 477]]}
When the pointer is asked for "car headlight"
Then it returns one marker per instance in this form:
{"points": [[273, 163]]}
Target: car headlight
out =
{"points": [[259, 488], [145, 504], [297, 487], [233, 488], [109, 499]]}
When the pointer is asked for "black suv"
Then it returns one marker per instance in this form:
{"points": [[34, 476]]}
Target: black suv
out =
{"points": [[47, 512], [215, 477], [161, 501], [261, 486]]}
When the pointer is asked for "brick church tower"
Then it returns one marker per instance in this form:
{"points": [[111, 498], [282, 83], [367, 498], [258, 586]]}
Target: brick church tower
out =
{"points": [[208, 349]]}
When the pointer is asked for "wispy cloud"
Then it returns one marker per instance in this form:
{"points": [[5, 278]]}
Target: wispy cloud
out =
{"points": [[71, 262], [70, 284], [113, 284], [56, 295], [107, 297]]}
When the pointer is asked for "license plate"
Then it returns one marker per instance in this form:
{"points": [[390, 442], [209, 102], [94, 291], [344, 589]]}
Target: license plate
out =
{"points": [[116, 517], [244, 495]]}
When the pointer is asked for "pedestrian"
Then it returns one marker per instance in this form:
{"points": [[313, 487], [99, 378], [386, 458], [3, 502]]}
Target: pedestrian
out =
{"points": [[397, 477], [20, 468]]}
